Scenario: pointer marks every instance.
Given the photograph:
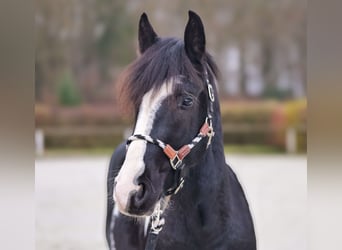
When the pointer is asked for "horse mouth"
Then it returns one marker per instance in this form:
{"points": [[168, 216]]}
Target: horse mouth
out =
{"points": [[162, 203], [138, 204], [143, 210], [137, 213]]}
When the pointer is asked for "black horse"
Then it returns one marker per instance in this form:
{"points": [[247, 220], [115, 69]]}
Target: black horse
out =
{"points": [[172, 88]]}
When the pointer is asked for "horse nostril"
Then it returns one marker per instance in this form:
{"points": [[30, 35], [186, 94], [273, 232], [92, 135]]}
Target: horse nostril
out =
{"points": [[140, 196], [141, 192]]}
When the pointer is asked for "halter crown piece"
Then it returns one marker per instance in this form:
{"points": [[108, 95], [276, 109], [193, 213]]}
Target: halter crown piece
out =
{"points": [[176, 158]]}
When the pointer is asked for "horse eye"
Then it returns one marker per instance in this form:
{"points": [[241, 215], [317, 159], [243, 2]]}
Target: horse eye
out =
{"points": [[187, 101]]}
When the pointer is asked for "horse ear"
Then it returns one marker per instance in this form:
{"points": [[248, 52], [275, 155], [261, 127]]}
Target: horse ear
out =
{"points": [[194, 38], [147, 36]]}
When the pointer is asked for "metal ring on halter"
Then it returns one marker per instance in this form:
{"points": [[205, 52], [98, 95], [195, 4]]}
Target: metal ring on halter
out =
{"points": [[211, 92], [176, 162]]}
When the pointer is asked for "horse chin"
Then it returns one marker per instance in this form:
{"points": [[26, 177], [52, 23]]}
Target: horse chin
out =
{"points": [[139, 213], [136, 215], [134, 212]]}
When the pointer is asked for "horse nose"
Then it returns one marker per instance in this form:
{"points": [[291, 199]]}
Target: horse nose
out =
{"points": [[122, 194], [135, 200]]}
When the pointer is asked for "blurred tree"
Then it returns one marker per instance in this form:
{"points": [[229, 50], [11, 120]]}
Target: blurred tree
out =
{"points": [[260, 45], [67, 92]]}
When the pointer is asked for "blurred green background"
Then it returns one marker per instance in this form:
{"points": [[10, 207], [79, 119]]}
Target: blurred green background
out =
{"points": [[82, 46]]}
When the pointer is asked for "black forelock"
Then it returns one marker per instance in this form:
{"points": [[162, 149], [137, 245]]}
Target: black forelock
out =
{"points": [[159, 63]]}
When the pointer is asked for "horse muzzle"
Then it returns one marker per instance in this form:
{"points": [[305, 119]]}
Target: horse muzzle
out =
{"points": [[138, 201]]}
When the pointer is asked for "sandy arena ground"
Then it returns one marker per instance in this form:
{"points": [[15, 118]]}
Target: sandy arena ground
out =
{"points": [[71, 194]]}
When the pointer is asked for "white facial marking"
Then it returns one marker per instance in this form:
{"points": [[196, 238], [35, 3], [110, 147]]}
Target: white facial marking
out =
{"points": [[134, 165]]}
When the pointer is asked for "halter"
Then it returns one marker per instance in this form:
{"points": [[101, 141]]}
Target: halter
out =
{"points": [[176, 158]]}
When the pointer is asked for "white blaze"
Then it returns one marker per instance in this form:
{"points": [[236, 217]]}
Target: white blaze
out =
{"points": [[134, 165]]}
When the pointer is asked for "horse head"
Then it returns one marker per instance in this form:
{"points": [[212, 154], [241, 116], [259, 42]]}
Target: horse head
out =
{"points": [[169, 86]]}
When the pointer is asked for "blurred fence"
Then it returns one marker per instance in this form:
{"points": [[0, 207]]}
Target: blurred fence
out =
{"points": [[277, 124], [294, 139]]}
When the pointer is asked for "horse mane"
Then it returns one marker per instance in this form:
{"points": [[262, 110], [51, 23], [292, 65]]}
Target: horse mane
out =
{"points": [[162, 61]]}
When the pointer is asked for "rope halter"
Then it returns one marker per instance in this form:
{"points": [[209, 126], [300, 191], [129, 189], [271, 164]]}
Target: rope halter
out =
{"points": [[176, 157]]}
